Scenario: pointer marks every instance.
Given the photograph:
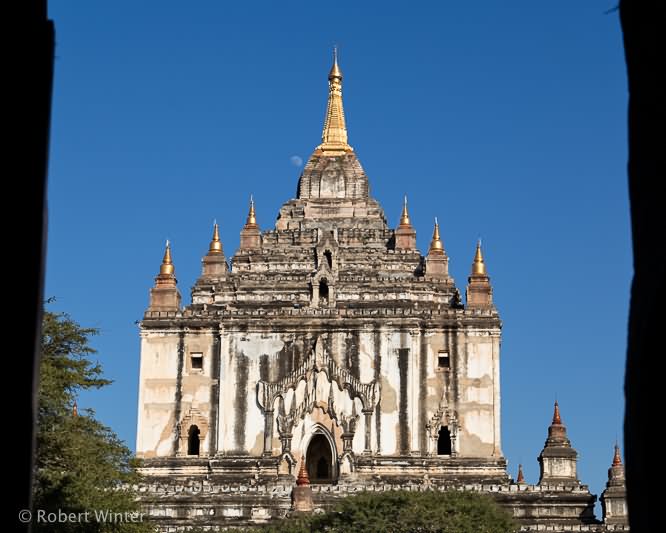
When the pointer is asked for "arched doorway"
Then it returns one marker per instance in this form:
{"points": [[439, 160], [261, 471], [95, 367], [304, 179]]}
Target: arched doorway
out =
{"points": [[319, 460], [193, 441]]}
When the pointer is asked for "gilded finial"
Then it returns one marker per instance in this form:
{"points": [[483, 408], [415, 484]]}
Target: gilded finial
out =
{"points": [[215, 244], [478, 267], [556, 414], [167, 269], [334, 135], [404, 218], [521, 477], [251, 217], [335, 71], [617, 458], [436, 246]]}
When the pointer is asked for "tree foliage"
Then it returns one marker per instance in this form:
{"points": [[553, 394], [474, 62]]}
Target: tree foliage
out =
{"points": [[81, 466], [406, 512]]}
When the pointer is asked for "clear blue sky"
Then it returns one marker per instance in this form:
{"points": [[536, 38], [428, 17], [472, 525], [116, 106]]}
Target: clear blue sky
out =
{"points": [[504, 119]]}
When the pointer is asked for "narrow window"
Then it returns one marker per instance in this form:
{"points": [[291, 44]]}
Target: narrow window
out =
{"points": [[323, 292], [444, 441], [443, 360], [193, 441], [197, 361], [329, 258]]}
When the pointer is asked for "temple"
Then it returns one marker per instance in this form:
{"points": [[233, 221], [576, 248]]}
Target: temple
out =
{"points": [[330, 346]]}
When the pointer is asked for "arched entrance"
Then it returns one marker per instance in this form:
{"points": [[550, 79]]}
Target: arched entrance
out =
{"points": [[319, 460]]}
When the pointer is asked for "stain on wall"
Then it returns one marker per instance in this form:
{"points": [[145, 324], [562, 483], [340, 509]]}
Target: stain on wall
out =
{"points": [[423, 362], [214, 393], [378, 368], [352, 341], [403, 425], [179, 391], [240, 400]]}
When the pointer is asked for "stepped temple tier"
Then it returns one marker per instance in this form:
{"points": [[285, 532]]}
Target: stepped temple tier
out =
{"points": [[329, 349]]}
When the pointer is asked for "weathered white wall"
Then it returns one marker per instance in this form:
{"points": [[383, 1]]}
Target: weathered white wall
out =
{"points": [[468, 390]]}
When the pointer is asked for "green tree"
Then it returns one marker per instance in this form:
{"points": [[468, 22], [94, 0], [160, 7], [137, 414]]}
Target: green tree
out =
{"points": [[406, 512], [81, 466]]}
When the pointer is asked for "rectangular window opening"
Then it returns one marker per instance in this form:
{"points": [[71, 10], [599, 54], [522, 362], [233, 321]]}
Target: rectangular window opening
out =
{"points": [[443, 360], [196, 360]]}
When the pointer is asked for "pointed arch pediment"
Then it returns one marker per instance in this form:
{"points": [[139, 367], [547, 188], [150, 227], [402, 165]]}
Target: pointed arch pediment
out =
{"points": [[318, 362]]}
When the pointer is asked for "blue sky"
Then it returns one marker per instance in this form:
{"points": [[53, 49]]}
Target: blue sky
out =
{"points": [[507, 120]]}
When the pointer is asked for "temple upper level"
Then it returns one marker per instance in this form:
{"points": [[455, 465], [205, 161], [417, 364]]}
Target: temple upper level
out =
{"points": [[333, 191], [331, 248]]}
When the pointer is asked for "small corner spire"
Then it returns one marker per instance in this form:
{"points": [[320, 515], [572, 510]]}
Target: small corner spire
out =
{"points": [[215, 244], [303, 478], [521, 477], [404, 218], [167, 268], [164, 296], [617, 458], [75, 410], [251, 216], [436, 246], [556, 414], [478, 267]]}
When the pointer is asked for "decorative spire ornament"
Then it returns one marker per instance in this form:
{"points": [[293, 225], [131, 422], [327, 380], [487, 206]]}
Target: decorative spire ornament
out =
{"points": [[436, 246], [334, 134], [215, 244]]}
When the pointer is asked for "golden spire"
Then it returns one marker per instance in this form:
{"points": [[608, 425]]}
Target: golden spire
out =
{"points": [[478, 267], [335, 71], [334, 136], [251, 216], [436, 246], [75, 410], [404, 218], [215, 245], [167, 269]]}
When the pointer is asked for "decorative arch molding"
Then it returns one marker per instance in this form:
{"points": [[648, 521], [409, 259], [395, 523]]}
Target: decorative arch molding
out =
{"points": [[442, 417], [319, 429], [194, 417], [318, 362], [326, 273]]}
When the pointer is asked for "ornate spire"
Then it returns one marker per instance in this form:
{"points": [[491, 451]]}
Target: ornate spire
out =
{"points": [[334, 135], [164, 296], [214, 262], [167, 268], [404, 218], [558, 458], [556, 414], [405, 235], [215, 244], [557, 431], [75, 410], [251, 234], [303, 478], [617, 458], [436, 246], [521, 477], [478, 267], [251, 216], [614, 497]]}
